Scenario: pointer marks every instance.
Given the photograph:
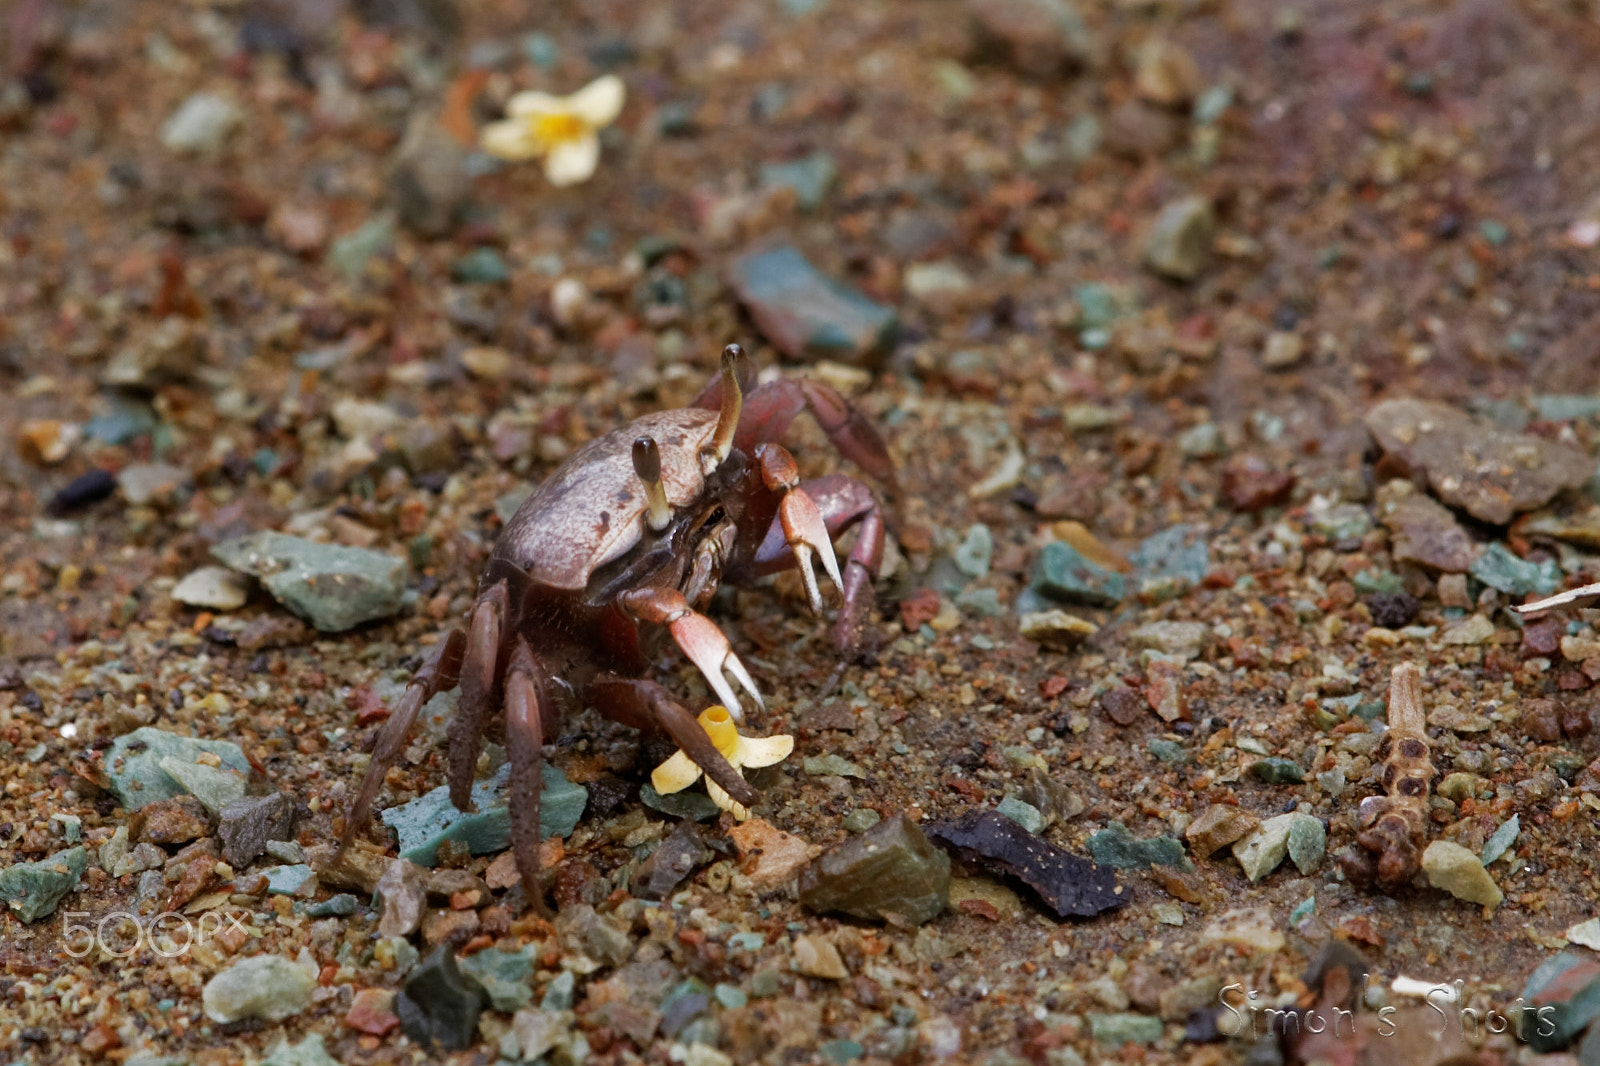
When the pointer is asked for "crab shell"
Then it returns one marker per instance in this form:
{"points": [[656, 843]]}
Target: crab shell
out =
{"points": [[591, 510]]}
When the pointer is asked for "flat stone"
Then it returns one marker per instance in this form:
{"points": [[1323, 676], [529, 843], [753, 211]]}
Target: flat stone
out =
{"points": [[890, 872], [1115, 1030], [1024, 814], [1065, 575], [1459, 872], [350, 253], [831, 766], [1500, 840], [1426, 533], [1218, 826], [269, 987], [1179, 241], [815, 956], [33, 889], [1068, 884], [1472, 463], [1274, 771], [1055, 629], [769, 856], [686, 804], [214, 787], [201, 124], [505, 976], [440, 1005], [215, 588], [811, 177], [246, 825], [1586, 933], [1185, 640], [431, 819], [342, 905], [675, 858], [145, 484], [1261, 852], [309, 1052], [1569, 985], [428, 182], [1181, 553], [1308, 842], [1040, 38], [1115, 847], [403, 897], [172, 821], [1474, 629], [539, 1031], [1499, 569], [333, 587], [808, 316], [294, 880], [372, 1011]]}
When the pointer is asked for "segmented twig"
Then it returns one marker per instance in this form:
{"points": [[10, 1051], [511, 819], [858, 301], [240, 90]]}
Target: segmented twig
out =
{"points": [[1394, 825]]}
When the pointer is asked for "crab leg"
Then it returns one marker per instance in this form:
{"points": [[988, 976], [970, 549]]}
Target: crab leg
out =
{"points": [[477, 691], [525, 743], [803, 528], [699, 638], [436, 675]]}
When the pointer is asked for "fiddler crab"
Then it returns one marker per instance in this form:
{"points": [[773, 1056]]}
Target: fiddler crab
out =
{"points": [[633, 532]]}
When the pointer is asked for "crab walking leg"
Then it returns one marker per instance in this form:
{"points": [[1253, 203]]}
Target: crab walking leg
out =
{"points": [[699, 638], [803, 528], [525, 744], [436, 675], [647, 705], [477, 691]]}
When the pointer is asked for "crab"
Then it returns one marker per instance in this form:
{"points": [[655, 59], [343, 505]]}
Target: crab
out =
{"points": [[628, 539]]}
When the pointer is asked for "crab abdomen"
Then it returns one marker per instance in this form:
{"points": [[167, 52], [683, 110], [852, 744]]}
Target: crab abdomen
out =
{"points": [[591, 510]]}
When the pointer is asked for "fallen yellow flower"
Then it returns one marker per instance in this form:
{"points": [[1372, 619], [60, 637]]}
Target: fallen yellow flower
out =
{"points": [[680, 771], [562, 129]]}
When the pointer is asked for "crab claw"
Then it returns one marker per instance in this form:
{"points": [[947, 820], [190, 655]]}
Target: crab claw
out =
{"points": [[806, 533], [708, 648]]}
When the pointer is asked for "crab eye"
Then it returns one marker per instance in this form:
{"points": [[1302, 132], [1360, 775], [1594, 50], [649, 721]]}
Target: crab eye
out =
{"points": [[647, 465]]}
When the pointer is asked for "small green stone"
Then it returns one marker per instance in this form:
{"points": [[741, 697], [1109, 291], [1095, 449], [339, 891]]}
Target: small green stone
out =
{"points": [[1498, 568], [1168, 751], [481, 265], [505, 975], [309, 1052], [214, 788], [860, 820], [1114, 846], [729, 996], [690, 803], [341, 906], [1024, 814], [431, 819], [1276, 771], [1501, 839], [1064, 575], [841, 1051], [766, 983], [1308, 843], [32, 889], [891, 870], [1371, 582], [832, 766], [1118, 1029], [133, 763]]}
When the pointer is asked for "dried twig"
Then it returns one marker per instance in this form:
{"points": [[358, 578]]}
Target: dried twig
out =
{"points": [[1394, 825], [1582, 596]]}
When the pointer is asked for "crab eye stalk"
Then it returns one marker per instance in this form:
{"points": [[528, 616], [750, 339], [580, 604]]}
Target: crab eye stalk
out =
{"points": [[647, 464], [733, 367]]}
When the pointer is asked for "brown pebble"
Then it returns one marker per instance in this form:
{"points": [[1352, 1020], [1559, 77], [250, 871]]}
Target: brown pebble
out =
{"points": [[1541, 719], [1122, 705], [1180, 885], [448, 926], [173, 821], [1542, 637], [1218, 826], [918, 609], [1251, 483]]}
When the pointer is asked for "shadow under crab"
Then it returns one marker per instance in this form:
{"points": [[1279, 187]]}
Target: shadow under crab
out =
{"points": [[638, 528]]}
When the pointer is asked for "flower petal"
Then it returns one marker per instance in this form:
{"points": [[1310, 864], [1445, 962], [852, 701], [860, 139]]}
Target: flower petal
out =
{"points": [[725, 801], [762, 751], [600, 102], [511, 140], [523, 105], [572, 162], [674, 775]]}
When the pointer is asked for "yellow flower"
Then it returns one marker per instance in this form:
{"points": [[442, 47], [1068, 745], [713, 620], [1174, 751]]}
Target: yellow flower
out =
{"points": [[562, 129], [680, 771]]}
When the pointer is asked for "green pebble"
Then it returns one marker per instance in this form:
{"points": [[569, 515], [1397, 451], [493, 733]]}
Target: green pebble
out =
{"points": [[483, 265], [858, 821], [1024, 814], [690, 803], [505, 975], [1118, 1029], [832, 766], [1498, 568], [341, 906], [32, 889], [133, 763], [1114, 846], [431, 819], [730, 996], [1168, 751], [1308, 843], [766, 983], [1276, 771], [1370, 582], [1064, 575], [841, 1051]]}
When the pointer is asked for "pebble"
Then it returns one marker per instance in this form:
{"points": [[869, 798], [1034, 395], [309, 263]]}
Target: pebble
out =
{"points": [[860, 819], [215, 588], [82, 491], [1337, 521], [342, 905], [1499, 569], [47, 441], [1040, 38], [771, 857], [1024, 814], [1474, 629], [350, 254], [807, 315], [1283, 350], [815, 956], [309, 1052], [1275, 771], [506, 976], [1472, 463], [1262, 851], [539, 1031], [1500, 840], [1569, 982], [889, 872], [246, 825], [133, 763], [429, 820], [152, 483], [832, 766], [403, 898], [269, 987], [1115, 1030], [929, 281], [214, 788], [428, 181], [1179, 240], [1459, 872], [1165, 74], [372, 1011], [1586, 933], [33, 889], [1114, 846], [811, 177], [333, 587], [1202, 441], [201, 124], [1055, 629], [973, 554], [685, 804], [440, 1005], [482, 265], [1183, 640], [296, 880], [1063, 574], [1424, 531], [1180, 552], [1308, 842], [173, 821]]}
